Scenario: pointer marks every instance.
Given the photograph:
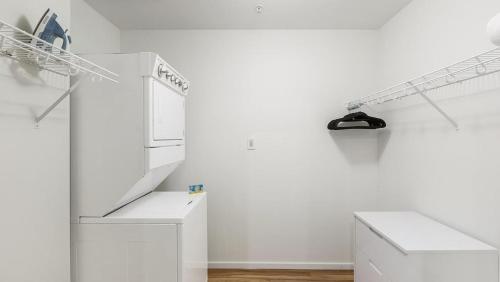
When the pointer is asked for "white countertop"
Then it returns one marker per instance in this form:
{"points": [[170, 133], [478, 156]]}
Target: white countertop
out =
{"points": [[412, 232], [154, 208]]}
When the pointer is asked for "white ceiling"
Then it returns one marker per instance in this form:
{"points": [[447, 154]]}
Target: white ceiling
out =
{"points": [[241, 14]]}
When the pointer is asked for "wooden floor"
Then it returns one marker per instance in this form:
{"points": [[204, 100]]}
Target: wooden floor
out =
{"points": [[236, 275]]}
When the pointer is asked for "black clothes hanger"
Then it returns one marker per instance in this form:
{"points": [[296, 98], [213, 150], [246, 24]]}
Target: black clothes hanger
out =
{"points": [[357, 120]]}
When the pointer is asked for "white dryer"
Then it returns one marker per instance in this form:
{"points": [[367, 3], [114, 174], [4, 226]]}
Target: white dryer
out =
{"points": [[126, 138]]}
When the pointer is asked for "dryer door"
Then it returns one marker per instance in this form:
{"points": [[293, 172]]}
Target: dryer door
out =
{"points": [[165, 115]]}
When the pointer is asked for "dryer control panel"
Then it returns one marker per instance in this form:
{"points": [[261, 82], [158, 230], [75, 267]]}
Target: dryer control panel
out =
{"points": [[161, 70]]}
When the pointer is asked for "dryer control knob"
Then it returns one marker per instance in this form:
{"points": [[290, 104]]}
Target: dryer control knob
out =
{"points": [[173, 78], [162, 70], [185, 86], [178, 82]]}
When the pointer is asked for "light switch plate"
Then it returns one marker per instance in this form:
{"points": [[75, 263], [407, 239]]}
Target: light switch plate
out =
{"points": [[251, 144]]}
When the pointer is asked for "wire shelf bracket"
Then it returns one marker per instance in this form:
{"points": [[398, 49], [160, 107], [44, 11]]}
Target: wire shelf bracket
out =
{"points": [[478, 66], [27, 48], [437, 108], [75, 85]]}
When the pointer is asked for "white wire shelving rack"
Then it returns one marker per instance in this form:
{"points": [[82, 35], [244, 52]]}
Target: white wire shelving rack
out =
{"points": [[27, 48], [481, 65]]}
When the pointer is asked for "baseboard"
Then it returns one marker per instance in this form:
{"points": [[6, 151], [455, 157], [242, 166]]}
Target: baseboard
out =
{"points": [[280, 265]]}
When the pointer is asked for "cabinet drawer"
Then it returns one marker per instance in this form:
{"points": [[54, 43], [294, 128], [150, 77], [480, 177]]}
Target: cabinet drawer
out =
{"points": [[386, 257], [363, 237], [367, 270]]}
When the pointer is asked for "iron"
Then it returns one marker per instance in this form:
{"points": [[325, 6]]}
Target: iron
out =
{"points": [[49, 29]]}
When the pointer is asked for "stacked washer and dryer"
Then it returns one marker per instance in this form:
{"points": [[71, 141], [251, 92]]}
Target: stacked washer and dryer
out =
{"points": [[126, 139]]}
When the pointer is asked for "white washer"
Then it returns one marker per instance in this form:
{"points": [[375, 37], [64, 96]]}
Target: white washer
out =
{"points": [[158, 238], [126, 138]]}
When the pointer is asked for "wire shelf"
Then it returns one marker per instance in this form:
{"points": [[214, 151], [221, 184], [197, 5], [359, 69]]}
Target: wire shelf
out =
{"points": [[24, 47], [477, 66]]}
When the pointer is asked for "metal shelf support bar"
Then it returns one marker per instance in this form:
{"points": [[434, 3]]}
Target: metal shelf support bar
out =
{"points": [[60, 99], [435, 106]]}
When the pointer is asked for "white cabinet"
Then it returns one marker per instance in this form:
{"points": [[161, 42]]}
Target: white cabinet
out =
{"points": [[409, 247]]}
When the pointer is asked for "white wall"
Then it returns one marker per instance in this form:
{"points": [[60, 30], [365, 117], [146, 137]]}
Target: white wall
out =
{"points": [[424, 164], [290, 202], [34, 163], [92, 33]]}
